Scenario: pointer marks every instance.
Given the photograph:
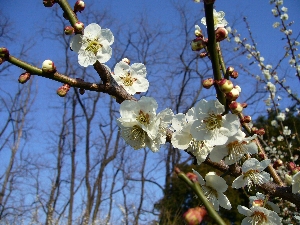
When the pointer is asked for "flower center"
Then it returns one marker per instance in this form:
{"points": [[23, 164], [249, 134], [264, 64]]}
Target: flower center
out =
{"points": [[197, 146], [210, 193], [128, 80], [213, 121], [235, 150], [135, 135], [253, 178], [259, 218], [93, 46], [143, 118]]}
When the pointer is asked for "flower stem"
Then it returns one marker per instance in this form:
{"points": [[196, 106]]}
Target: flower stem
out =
{"points": [[197, 189], [212, 48]]}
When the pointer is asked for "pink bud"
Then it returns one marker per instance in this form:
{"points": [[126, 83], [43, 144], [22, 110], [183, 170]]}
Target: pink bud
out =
{"points": [[63, 90], [24, 77], [78, 27], [192, 177], [207, 83], [195, 216], [221, 34], [69, 30], [260, 131], [277, 163], [247, 119], [198, 44], [233, 94], [225, 85], [79, 6], [291, 166], [48, 66], [236, 107]]}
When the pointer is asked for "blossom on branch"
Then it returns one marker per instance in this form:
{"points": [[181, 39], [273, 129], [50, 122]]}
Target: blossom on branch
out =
{"points": [[296, 183], [219, 20], [253, 174], [132, 78], [140, 126], [93, 45], [213, 187], [210, 125]]}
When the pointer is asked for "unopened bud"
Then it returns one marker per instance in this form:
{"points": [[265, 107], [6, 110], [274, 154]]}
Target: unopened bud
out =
{"points": [[48, 66], [229, 70], [198, 31], [225, 85], [126, 60], [221, 34], [78, 27], [192, 177], [288, 179], [79, 6], [254, 129], [195, 216], [69, 30], [203, 54], [207, 83], [198, 44], [233, 94], [63, 90], [258, 202], [48, 3], [234, 74], [260, 131], [24, 77], [236, 107], [291, 166], [4, 53], [277, 163], [247, 119]]}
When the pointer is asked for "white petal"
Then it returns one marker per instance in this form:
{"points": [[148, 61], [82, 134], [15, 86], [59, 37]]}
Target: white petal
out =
{"points": [[250, 164], [75, 43], [92, 31], [86, 58], [223, 200], [120, 68], [148, 104], [104, 54], [216, 182], [178, 121], [264, 164], [239, 182], [199, 177], [244, 210], [141, 84], [218, 153], [108, 35], [140, 69], [129, 109], [251, 148]]}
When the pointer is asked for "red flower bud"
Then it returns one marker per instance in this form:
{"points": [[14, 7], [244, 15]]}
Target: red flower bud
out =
{"points": [[234, 74], [192, 177], [195, 216], [233, 94], [260, 131], [236, 107], [78, 27], [221, 34], [69, 30], [63, 90], [207, 83], [24, 77], [277, 163], [79, 6], [48, 66], [225, 85], [247, 119]]}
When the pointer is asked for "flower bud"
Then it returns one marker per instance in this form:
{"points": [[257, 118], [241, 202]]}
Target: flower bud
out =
{"points": [[126, 60], [198, 44], [203, 54], [247, 119], [236, 107], [207, 83], [288, 179], [258, 202], [48, 66], [192, 177], [78, 27], [69, 30], [291, 166], [225, 85], [234, 74], [221, 34], [4, 53], [195, 216], [198, 31], [24, 77], [63, 90], [79, 6], [254, 129], [48, 3], [277, 163], [260, 131], [229, 70], [233, 94]]}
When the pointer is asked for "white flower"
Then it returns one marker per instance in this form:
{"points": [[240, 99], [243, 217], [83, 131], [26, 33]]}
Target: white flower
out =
{"points": [[235, 148], [93, 45], [296, 183], [284, 16], [271, 87], [284, 9], [182, 138], [280, 138], [258, 216], [262, 197], [132, 78], [213, 187], [253, 174], [276, 24], [210, 125], [280, 117], [274, 123], [219, 20], [140, 126], [286, 131], [267, 74]]}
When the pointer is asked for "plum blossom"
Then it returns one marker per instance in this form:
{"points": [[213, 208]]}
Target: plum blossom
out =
{"points": [[213, 187], [219, 20], [140, 126], [234, 149], [132, 78], [253, 174], [183, 139], [93, 45], [257, 215], [210, 125], [261, 197]]}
